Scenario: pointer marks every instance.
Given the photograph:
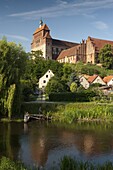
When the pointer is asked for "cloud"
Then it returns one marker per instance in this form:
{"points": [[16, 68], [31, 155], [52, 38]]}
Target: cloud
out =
{"points": [[100, 25], [15, 37], [64, 8]]}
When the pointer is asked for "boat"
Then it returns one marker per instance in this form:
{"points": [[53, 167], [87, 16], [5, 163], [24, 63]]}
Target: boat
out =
{"points": [[28, 117]]}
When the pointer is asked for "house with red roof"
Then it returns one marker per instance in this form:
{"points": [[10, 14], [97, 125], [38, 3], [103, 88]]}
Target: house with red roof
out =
{"points": [[84, 82], [108, 80], [96, 79]]}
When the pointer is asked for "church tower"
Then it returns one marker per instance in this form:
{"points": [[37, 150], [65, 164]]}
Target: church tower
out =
{"points": [[42, 40]]}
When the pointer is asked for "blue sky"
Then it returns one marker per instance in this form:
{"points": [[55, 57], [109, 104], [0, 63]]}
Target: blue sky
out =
{"points": [[71, 20]]}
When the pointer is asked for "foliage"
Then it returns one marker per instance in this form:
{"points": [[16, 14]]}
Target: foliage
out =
{"points": [[67, 70], [79, 96], [55, 85], [73, 87], [106, 56], [7, 164], [10, 99], [73, 164], [12, 62], [90, 69], [83, 111]]}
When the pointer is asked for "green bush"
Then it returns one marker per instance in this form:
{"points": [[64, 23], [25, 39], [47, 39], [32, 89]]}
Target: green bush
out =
{"points": [[7, 164], [84, 96]]}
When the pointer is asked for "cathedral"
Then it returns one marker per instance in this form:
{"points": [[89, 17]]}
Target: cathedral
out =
{"points": [[64, 51], [50, 47]]}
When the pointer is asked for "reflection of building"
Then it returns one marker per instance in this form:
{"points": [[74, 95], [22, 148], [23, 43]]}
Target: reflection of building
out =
{"points": [[50, 47], [45, 79]]}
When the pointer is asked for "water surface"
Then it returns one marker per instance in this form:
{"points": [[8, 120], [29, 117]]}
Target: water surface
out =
{"points": [[39, 144]]}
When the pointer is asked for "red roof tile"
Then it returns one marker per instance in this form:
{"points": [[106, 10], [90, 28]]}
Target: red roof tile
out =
{"points": [[107, 78], [92, 78], [99, 43], [69, 52], [43, 27]]}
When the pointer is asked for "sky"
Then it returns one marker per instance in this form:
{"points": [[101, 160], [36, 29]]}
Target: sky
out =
{"points": [[70, 20]]}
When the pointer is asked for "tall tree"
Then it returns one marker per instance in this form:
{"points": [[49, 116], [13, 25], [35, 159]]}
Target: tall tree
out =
{"points": [[12, 62], [106, 56]]}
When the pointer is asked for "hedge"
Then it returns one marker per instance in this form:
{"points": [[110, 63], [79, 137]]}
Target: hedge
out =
{"points": [[84, 96]]}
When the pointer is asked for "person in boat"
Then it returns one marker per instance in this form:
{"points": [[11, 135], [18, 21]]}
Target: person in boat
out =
{"points": [[40, 110], [26, 117]]}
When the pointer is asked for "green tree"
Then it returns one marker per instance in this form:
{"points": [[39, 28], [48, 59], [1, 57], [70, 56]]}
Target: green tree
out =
{"points": [[55, 85], [12, 62], [73, 87], [106, 56]]}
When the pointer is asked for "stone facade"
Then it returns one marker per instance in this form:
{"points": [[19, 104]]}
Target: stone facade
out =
{"points": [[87, 51], [74, 54], [64, 51], [50, 47]]}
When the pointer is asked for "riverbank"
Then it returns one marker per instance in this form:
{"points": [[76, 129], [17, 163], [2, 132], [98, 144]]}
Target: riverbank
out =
{"points": [[65, 163], [71, 112], [68, 112]]}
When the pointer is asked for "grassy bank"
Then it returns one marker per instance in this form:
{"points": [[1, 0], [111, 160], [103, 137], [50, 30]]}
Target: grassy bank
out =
{"points": [[72, 164], [66, 163], [70, 112]]}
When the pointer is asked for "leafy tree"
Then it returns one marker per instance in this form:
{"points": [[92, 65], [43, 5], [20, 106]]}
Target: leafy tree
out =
{"points": [[73, 87], [55, 85], [12, 62], [106, 56]]}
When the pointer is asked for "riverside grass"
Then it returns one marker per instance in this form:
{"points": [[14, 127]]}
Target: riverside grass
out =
{"points": [[83, 112], [71, 112], [66, 163]]}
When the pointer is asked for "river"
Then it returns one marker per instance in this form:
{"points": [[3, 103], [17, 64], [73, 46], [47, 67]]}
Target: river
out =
{"points": [[43, 144]]}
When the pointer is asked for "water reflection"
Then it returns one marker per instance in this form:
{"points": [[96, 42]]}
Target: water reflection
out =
{"points": [[42, 144]]}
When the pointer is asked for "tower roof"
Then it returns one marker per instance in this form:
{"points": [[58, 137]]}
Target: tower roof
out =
{"points": [[43, 27]]}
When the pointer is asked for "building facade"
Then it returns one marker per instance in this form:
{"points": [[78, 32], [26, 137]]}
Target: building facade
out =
{"points": [[50, 47], [64, 51], [87, 51], [73, 54], [45, 79]]}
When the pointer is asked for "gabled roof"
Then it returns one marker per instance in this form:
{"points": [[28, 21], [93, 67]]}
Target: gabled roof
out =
{"points": [[69, 52], [99, 43], [92, 78], [43, 27], [107, 78]]}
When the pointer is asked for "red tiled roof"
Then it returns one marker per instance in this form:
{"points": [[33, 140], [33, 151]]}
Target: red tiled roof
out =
{"points": [[107, 79], [43, 27], [69, 52], [99, 43], [92, 78]]}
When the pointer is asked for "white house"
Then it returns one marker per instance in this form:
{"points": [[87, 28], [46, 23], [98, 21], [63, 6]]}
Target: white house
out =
{"points": [[84, 82], [108, 80], [96, 79], [45, 79]]}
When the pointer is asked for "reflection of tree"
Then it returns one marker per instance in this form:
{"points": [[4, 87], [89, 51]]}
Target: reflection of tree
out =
{"points": [[9, 145]]}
